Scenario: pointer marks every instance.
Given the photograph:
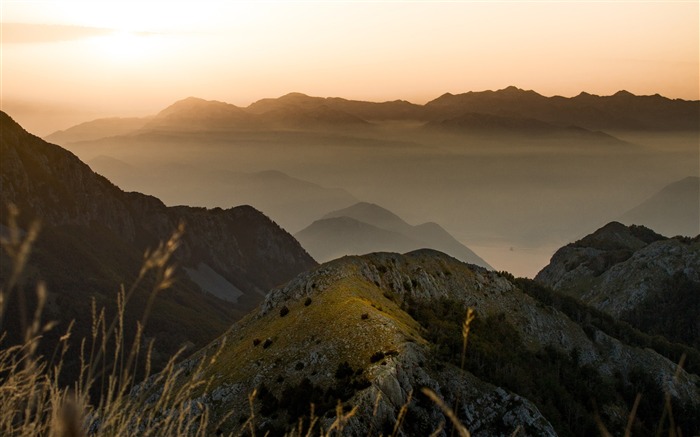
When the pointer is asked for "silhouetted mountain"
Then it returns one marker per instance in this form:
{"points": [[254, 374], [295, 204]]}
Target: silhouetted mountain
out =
{"points": [[510, 110], [365, 227], [94, 236], [100, 128], [674, 210], [370, 111], [331, 238], [489, 124], [290, 202], [372, 331], [621, 111], [305, 118], [636, 275], [198, 114]]}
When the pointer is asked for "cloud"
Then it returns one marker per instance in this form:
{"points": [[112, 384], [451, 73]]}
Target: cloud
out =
{"points": [[23, 33]]}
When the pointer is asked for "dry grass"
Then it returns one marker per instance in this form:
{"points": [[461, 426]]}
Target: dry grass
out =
{"points": [[34, 403]]}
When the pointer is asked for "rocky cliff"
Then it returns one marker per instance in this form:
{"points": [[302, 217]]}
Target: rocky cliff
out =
{"points": [[634, 274], [373, 330], [94, 235]]}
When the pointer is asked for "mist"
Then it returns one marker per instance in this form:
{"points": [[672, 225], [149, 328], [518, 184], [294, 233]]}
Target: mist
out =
{"points": [[512, 197]]}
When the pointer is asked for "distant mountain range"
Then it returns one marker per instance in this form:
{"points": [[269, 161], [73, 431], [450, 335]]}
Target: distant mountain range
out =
{"points": [[634, 274], [507, 110], [620, 111], [290, 202], [365, 227], [674, 210], [94, 236]]}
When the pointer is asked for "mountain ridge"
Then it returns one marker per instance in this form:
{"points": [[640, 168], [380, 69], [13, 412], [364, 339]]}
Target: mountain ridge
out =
{"points": [[373, 318], [94, 235], [585, 110], [635, 274], [367, 227]]}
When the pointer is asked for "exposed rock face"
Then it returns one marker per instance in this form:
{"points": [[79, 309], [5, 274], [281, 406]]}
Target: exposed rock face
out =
{"points": [[351, 317], [635, 275], [594, 254], [618, 267], [50, 183], [94, 235]]}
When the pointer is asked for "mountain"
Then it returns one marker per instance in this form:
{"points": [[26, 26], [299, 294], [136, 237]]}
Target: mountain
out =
{"points": [[674, 210], [94, 235], [331, 238], [96, 129], [192, 114], [621, 111], [511, 109], [305, 118], [289, 201], [635, 275], [367, 227], [490, 124], [369, 111], [374, 330]]}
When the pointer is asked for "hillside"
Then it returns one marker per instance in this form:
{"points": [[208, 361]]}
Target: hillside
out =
{"points": [[94, 235], [673, 210], [620, 111], [373, 330], [288, 201], [96, 129], [366, 227], [484, 124], [509, 110], [636, 275]]}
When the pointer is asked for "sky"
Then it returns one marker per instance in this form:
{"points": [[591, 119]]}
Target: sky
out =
{"points": [[66, 61]]}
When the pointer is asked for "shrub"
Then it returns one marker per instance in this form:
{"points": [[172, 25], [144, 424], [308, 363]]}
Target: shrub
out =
{"points": [[344, 370], [307, 302], [268, 343], [284, 311], [376, 357]]}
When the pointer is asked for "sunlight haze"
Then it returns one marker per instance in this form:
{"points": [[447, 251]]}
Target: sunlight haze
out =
{"points": [[135, 58]]}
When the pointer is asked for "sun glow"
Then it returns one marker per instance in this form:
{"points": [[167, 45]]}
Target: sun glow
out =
{"points": [[126, 47]]}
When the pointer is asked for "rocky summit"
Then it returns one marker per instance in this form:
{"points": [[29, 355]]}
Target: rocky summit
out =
{"points": [[632, 273], [373, 331]]}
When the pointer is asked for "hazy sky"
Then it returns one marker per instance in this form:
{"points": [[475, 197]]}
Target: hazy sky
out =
{"points": [[136, 57]]}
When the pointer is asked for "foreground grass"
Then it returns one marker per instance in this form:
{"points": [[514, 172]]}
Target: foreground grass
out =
{"points": [[106, 398]]}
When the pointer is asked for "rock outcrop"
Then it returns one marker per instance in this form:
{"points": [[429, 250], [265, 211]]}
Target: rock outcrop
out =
{"points": [[359, 329], [628, 272]]}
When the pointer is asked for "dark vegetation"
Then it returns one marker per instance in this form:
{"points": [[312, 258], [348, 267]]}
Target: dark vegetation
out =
{"points": [[77, 269], [568, 393], [659, 313], [658, 320], [295, 399]]}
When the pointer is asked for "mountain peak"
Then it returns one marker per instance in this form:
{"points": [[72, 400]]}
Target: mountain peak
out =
{"points": [[370, 213], [8, 123], [615, 235], [197, 106], [511, 89], [295, 95], [623, 93]]}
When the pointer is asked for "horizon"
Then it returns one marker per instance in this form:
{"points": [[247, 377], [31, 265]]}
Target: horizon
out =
{"points": [[155, 111], [129, 59]]}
